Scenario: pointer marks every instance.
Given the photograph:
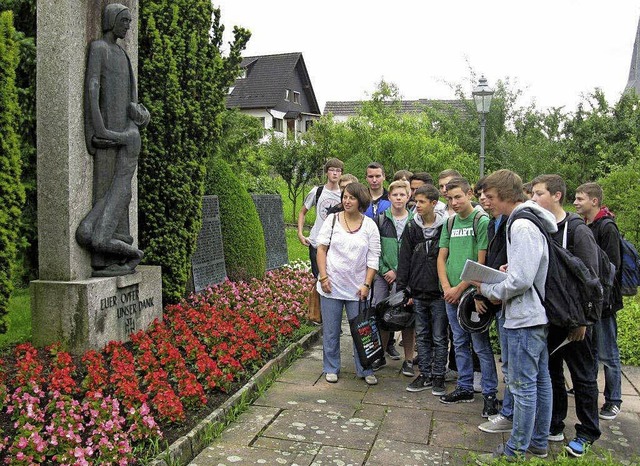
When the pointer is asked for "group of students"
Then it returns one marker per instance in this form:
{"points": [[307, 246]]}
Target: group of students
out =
{"points": [[370, 241]]}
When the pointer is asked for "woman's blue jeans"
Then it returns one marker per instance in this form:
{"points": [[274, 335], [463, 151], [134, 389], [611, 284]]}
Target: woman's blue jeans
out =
{"points": [[331, 324]]}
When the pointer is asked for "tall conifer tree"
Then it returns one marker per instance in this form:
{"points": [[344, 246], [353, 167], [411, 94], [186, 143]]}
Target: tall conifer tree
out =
{"points": [[11, 190], [183, 80]]}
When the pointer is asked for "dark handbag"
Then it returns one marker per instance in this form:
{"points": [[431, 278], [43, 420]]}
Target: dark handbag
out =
{"points": [[366, 334], [394, 314]]}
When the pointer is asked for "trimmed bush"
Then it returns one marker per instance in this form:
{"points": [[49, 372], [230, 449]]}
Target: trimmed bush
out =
{"points": [[11, 190], [183, 82], [245, 254]]}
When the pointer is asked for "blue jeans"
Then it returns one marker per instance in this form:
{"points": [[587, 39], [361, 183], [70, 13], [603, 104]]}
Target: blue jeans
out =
{"points": [[606, 336], [530, 385], [331, 323], [432, 336], [580, 357], [464, 361], [507, 402]]}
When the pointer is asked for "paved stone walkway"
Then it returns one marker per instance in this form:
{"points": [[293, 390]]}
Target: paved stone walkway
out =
{"points": [[303, 420]]}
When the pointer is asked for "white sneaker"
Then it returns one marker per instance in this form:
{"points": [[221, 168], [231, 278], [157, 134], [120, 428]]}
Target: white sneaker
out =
{"points": [[559, 437], [499, 424], [371, 380], [477, 382], [331, 378]]}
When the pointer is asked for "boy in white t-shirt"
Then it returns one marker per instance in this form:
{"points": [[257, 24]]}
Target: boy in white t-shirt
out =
{"points": [[323, 197]]}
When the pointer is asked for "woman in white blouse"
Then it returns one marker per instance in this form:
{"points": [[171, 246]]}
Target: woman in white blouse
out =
{"points": [[348, 254]]}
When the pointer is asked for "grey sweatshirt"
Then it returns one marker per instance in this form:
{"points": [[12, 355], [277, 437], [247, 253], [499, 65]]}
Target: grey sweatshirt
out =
{"points": [[528, 256]]}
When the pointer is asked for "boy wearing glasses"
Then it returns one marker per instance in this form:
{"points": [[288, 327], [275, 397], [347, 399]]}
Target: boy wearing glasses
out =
{"points": [[323, 197]]}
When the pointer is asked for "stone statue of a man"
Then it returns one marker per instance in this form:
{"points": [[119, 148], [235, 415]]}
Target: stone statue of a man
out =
{"points": [[112, 118]]}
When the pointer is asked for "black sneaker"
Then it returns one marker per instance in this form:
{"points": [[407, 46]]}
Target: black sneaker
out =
{"points": [[609, 411], [420, 383], [459, 395], [490, 406], [393, 352], [438, 386], [378, 364], [407, 368]]}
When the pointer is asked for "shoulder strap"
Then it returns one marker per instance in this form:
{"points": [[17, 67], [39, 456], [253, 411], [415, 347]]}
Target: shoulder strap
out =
{"points": [[318, 193], [450, 222], [476, 219], [333, 224]]}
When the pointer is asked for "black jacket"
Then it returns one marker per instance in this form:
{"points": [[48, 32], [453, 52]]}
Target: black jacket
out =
{"points": [[417, 262], [608, 238], [497, 250]]}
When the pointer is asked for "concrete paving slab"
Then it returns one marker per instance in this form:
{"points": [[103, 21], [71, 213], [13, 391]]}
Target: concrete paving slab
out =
{"points": [[339, 456], [219, 455], [248, 425], [329, 428], [462, 435], [315, 398], [288, 445], [389, 452], [406, 425]]}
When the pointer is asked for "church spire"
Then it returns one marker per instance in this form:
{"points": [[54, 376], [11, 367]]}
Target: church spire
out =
{"points": [[634, 71]]}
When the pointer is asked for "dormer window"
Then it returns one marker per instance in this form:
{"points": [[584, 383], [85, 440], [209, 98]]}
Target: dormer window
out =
{"points": [[287, 95], [296, 97]]}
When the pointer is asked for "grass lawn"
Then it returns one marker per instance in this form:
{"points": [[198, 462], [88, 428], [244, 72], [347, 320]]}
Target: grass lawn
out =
{"points": [[296, 250], [19, 318]]}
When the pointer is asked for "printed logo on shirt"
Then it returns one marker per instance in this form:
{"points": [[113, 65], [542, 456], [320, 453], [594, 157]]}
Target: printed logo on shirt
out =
{"points": [[324, 206], [462, 232]]}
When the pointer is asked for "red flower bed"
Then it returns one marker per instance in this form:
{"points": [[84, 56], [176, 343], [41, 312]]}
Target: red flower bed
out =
{"points": [[117, 402]]}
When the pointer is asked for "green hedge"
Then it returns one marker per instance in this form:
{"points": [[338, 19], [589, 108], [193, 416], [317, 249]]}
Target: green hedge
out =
{"points": [[183, 81], [245, 254], [11, 190]]}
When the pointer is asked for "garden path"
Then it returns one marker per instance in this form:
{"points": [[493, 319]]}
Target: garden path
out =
{"points": [[303, 420]]}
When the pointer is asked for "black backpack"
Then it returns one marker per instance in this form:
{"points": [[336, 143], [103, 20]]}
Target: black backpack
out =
{"points": [[606, 270], [573, 297], [629, 273]]}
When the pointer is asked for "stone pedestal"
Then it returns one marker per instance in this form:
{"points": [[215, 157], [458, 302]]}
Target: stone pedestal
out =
{"points": [[67, 304], [88, 314]]}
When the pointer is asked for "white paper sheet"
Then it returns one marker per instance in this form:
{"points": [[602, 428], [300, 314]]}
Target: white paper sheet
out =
{"points": [[473, 271]]}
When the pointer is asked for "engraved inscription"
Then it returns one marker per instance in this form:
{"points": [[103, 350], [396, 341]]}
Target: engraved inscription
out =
{"points": [[269, 207], [208, 260]]}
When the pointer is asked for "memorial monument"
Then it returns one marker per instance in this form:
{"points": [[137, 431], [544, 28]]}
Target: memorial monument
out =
{"points": [[91, 289]]}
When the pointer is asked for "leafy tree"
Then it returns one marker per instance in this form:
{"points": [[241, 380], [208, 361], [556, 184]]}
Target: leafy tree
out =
{"points": [[245, 254], [11, 190], [238, 145], [622, 196], [184, 79], [600, 137], [381, 132], [296, 162]]}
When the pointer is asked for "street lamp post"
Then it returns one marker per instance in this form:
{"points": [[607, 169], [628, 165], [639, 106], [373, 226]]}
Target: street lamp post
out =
{"points": [[482, 95]]}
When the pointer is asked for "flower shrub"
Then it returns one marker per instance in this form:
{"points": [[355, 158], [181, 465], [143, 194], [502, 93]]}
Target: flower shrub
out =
{"points": [[104, 406]]}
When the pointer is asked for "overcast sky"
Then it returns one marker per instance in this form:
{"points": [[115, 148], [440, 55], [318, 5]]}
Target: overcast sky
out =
{"points": [[555, 50]]}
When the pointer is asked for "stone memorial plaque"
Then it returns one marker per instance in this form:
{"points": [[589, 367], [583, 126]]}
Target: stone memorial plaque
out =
{"points": [[271, 215], [88, 314], [207, 261]]}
